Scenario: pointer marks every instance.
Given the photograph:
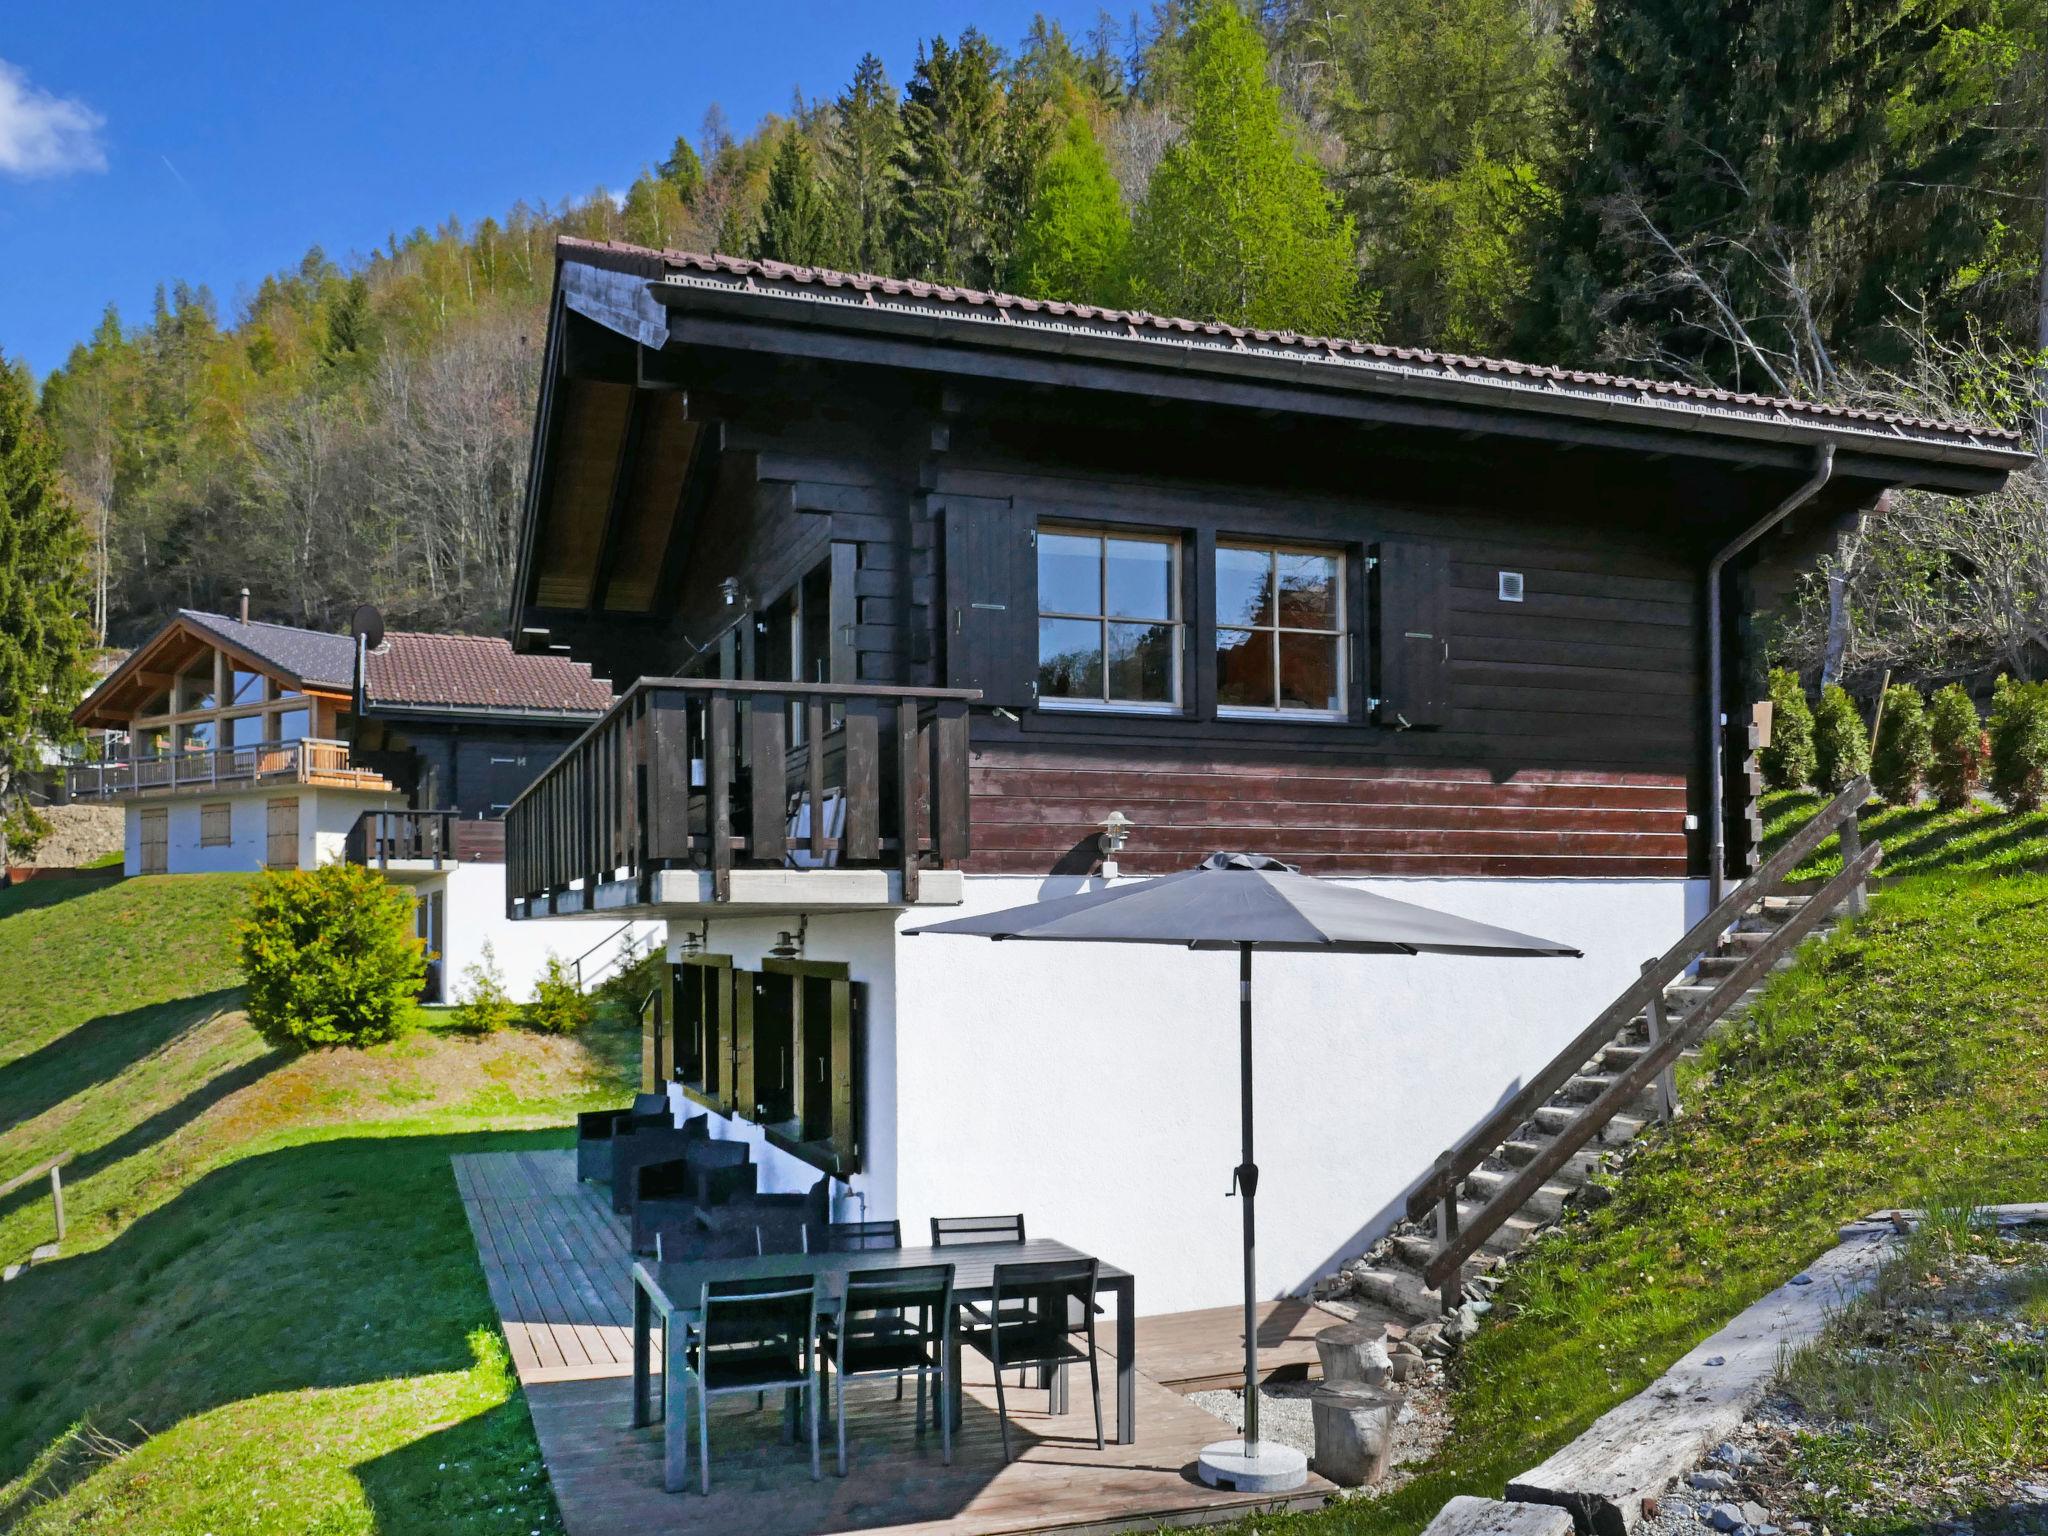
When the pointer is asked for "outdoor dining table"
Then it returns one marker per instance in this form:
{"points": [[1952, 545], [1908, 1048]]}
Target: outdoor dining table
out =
{"points": [[674, 1289]]}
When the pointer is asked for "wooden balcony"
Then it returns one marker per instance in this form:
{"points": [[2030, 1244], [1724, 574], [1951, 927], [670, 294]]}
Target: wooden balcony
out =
{"points": [[306, 761], [401, 843], [695, 796]]}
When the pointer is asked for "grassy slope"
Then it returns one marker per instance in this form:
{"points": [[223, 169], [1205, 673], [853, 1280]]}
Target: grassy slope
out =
{"points": [[1903, 1060], [269, 1289]]}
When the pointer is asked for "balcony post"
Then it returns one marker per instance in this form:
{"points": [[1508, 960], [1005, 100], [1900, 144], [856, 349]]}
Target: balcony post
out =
{"points": [[909, 772]]}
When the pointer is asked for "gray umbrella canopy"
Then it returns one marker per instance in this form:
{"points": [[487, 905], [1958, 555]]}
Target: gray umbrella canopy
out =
{"points": [[1234, 899], [1246, 902]]}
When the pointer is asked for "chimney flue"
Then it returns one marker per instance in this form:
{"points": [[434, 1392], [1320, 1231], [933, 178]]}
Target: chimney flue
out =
{"points": [[245, 605]]}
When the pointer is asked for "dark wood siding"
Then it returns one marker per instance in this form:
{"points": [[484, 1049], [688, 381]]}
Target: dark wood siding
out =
{"points": [[1037, 811]]}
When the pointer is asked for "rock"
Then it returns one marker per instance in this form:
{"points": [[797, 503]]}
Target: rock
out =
{"points": [[1717, 1360], [1463, 1324], [1728, 1453], [1652, 1508], [1405, 1367], [1593, 1196], [1725, 1517], [1753, 1513], [1713, 1481], [2038, 1492], [1425, 1334]]}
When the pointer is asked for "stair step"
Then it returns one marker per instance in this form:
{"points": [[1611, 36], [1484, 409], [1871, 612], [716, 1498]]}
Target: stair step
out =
{"points": [[1622, 1055], [1525, 1149], [1513, 1234], [1547, 1200], [1399, 1288], [1720, 965]]}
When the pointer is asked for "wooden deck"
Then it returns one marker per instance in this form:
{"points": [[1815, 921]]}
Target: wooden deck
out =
{"points": [[555, 1259]]}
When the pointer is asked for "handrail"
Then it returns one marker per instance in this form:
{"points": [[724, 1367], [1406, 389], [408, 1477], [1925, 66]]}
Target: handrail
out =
{"points": [[1584, 1126], [181, 768], [1459, 1160]]}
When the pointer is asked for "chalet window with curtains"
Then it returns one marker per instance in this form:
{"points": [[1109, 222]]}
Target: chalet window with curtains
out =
{"points": [[1109, 620], [1280, 630]]}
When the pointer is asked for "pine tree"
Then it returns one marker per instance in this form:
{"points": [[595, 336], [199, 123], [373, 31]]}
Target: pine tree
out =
{"points": [[946, 221], [1236, 225], [1788, 761], [796, 220], [1905, 749], [861, 168], [1960, 747], [1841, 747], [683, 171], [1074, 242], [44, 630]]}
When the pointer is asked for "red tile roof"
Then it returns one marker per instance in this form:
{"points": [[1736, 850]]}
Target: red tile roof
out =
{"points": [[868, 290], [479, 672]]}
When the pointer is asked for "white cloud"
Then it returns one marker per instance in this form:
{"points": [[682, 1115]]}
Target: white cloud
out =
{"points": [[45, 135]]}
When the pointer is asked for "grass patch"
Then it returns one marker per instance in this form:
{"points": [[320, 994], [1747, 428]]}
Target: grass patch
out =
{"points": [[269, 1315], [1904, 1055], [1918, 839]]}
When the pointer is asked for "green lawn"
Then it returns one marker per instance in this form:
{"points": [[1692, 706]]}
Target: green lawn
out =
{"points": [[1918, 839], [269, 1315]]}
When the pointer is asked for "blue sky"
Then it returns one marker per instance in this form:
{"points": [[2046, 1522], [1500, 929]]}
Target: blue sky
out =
{"points": [[216, 142]]}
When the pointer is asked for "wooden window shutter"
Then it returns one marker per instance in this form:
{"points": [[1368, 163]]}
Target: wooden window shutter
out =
{"points": [[991, 616], [1411, 589], [855, 1135]]}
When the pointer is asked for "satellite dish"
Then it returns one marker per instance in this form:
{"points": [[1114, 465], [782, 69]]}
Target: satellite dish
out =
{"points": [[368, 626]]}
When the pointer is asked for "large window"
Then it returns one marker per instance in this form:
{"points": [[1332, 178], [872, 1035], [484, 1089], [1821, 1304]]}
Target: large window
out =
{"points": [[1109, 620], [1280, 642]]}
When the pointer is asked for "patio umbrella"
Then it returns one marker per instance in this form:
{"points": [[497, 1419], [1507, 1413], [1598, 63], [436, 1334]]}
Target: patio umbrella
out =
{"points": [[1245, 902]]}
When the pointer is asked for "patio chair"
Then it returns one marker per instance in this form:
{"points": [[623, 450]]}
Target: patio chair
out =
{"points": [[890, 1321], [950, 1230], [1035, 1305], [596, 1129], [649, 1144], [669, 1192], [755, 1335], [863, 1236]]}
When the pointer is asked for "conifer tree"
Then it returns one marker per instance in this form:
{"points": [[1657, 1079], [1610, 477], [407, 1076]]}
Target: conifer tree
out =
{"points": [[1905, 749], [44, 631], [1788, 761], [861, 168], [1074, 241], [796, 219], [1236, 225], [683, 170], [952, 123]]}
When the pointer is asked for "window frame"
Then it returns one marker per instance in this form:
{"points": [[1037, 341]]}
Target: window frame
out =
{"points": [[1340, 556], [1177, 620]]}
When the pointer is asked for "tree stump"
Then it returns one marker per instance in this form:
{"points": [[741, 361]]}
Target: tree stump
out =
{"points": [[1354, 1428], [1352, 1352]]}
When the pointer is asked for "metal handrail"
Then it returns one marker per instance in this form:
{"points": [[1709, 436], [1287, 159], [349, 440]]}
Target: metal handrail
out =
{"points": [[1584, 1126], [1460, 1159], [182, 768]]}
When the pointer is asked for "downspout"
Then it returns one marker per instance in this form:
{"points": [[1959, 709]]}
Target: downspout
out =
{"points": [[1717, 813]]}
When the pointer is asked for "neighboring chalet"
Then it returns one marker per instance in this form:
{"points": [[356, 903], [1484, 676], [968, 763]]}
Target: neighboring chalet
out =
{"points": [[923, 599], [240, 745]]}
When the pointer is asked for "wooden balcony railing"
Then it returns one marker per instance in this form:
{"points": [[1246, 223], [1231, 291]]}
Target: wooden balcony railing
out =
{"points": [[717, 775], [438, 838], [305, 761]]}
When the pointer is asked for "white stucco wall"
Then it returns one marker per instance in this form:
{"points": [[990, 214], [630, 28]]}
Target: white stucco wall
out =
{"points": [[475, 916], [1095, 1087], [325, 816]]}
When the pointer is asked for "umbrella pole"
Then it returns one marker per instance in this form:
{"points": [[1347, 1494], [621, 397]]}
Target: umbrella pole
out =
{"points": [[1248, 1190]]}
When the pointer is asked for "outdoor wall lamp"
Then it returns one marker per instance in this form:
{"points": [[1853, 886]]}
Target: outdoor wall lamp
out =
{"points": [[1116, 831], [729, 589], [790, 946]]}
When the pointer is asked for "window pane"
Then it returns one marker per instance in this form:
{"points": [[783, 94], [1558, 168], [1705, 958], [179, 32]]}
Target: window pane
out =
{"points": [[292, 725], [245, 731], [248, 687], [1138, 579], [195, 688], [196, 738], [1308, 591], [1308, 672], [1244, 586], [1244, 668], [1141, 663], [1069, 573], [1069, 659]]}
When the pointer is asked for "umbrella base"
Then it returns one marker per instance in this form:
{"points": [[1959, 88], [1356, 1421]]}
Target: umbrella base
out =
{"points": [[1263, 1466]]}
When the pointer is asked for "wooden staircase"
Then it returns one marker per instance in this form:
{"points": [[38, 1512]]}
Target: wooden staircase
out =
{"points": [[1521, 1166]]}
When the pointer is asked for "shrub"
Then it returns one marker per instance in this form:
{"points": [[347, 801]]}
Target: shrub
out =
{"points": [[1904, 748], [329, 956], [638, 974], [2019, 744], [1959, 747], [483, 1005], [1788, 761], [558, 1006], [1841, 750]]}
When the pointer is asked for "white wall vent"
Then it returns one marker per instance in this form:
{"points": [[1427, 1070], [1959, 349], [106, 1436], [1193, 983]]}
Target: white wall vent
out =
{"points": [[1511, 586]]}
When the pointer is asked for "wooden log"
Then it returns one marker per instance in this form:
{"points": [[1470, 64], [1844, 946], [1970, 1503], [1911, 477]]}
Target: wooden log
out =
{"points": [[1354, 1429], [1353, 1352], [1467, 1516]]}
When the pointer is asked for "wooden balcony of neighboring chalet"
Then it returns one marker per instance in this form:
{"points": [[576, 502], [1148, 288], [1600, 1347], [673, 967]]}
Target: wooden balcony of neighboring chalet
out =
{"points": [[405, 845], [695, 796], [324, 764]]}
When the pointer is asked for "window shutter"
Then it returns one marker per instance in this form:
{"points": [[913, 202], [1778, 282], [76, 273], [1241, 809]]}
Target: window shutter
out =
{"points": [[991, 582], [1411, 609]]}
